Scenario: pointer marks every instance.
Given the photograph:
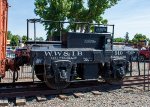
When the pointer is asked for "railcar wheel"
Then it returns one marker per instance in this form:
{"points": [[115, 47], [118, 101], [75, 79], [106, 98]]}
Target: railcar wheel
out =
{"points": [[39, 69], [50, 82], [111, 80], [108, 76]]}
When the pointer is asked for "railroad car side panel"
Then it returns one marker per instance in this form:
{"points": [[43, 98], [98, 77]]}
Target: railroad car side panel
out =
{"points": [[3, 35]]}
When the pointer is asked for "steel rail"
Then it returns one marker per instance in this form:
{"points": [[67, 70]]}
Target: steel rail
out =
{"points": [[27, 89]]}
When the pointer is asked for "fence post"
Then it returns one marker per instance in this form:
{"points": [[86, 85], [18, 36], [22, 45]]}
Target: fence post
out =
{"points": [[144, 76], [148, 73], [130, 68]]}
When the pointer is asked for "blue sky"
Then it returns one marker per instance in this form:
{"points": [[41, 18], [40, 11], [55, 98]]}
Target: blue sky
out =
{"points": [[131, 16]]}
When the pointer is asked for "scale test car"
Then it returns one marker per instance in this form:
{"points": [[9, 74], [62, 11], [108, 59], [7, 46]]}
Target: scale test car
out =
{"points": [[77, 56]]}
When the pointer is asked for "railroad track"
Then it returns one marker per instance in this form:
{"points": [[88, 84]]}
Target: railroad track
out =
{"points": [[136, 80], [38, 88], [20, 91], [41, 89]]}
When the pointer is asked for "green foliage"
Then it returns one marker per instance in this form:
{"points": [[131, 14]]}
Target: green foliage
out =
{"points": [[14, 40], [136, 40], [130, 41], [73, 11], [119, 40], [52, 10], [148, 40], [127, 37], [9, 35], [139, 37], [24, 39], [39, 38]]}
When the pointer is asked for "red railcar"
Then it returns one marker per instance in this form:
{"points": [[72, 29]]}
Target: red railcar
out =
{"points": [[3, 35]]}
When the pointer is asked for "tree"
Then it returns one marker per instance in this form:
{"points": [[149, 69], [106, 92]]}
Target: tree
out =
{"points": [[24, 39], [9, 35], [14, 40], [91, 12], [140, 40], [56, 10], [119, 39], [148, 41], [139, 37], [39, 38], [127, 37], [73, 11]]}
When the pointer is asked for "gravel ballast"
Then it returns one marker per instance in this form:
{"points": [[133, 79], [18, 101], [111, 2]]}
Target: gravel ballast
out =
{"points": [[125, 97]]}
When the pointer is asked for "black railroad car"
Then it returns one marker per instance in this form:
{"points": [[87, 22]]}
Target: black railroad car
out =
{"points": [[79, 56]]}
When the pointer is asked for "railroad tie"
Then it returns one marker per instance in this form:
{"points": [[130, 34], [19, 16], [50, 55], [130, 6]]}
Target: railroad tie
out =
{"points": [[41, 98], [4, 102], [78, 95], [96, 93], [20, 101], [63, 97]]}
